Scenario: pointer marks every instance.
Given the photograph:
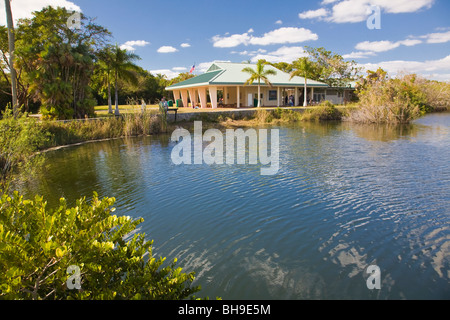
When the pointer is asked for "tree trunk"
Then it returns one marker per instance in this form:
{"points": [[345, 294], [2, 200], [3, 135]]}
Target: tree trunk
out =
{"points": [[305, 102], [117, 113], [110, 111], [11, 43], [259, 93]]}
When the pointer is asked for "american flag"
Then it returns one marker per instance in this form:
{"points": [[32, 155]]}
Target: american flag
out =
{"points": [[192, 69]]}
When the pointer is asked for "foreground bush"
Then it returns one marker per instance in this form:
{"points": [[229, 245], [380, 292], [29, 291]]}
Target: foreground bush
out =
{"points": [[41, 251]]}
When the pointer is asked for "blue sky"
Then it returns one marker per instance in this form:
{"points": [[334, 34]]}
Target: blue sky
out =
{"points": [[171, 35]]}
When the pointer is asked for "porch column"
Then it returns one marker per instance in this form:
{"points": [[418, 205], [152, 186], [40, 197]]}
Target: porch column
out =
{"points": [[238, 97], [312, 94], [225, 95], [202, 96], [213, 97], [193, 97], [176, 95], [278, 96], [296, 97], [184, 97]]}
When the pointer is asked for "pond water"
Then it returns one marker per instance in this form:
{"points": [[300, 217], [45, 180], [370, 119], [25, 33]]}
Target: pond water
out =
{"points": [[345, 197]]}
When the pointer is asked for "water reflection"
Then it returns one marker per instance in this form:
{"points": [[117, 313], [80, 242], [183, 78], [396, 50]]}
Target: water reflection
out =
{"points": [[346, 196]]}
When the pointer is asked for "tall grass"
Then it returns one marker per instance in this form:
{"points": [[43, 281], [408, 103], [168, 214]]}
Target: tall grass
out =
{"points": [[70, 132], [400, 100]]}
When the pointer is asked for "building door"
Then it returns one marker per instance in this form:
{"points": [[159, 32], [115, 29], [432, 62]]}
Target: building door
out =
{"points": [[250, 100]]}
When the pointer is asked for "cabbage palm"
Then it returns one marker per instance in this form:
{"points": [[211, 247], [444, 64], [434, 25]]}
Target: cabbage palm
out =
{"points": [[123, 67], [11, 44], [303, 67], [258, 75], [104, 67]]}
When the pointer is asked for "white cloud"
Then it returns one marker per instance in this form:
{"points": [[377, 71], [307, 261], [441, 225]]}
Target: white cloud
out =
{"points": [[185, 45], [410, 42], [250, 30], [167, 49], [358, 55], [377, 46], [279, 22], [231, 41], [403, 6], [433, 69], [312, 14], [381, 46], [179, 69], [437, 37], [284, 35], [283, 54], [130, 45], [22, 9], [351, 11], [278, 36], [170, 74]]}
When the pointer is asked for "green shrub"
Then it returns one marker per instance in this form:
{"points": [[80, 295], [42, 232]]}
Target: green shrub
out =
{"points": [[40, 248], [19, 140], [325, 111], [399, 100]]}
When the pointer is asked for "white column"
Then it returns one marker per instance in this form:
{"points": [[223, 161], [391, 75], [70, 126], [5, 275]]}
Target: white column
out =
{"points": [[176, 95], [278, 96], [312, 93], [225, 95], [296, 96], [193, 97], [202, 96], [213, 96], [184, 97], [238, 96]]}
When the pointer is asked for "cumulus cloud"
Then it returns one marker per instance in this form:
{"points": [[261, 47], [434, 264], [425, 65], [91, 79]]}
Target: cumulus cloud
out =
{"points": [[385, 45], [167, 49], [432, 69], [170, 74], [231, 41], [279, 22], [358, 55], [437, 37], [283, 54], [22, 9], [351, 11], [312, 14], [185, 45], [131, 45], [278, 36], [377, 46]]}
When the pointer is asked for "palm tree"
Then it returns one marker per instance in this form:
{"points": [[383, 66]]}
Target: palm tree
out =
{"points": [[123, 67], [104, 65], [303, 67], [11, 44], [259, 74]]}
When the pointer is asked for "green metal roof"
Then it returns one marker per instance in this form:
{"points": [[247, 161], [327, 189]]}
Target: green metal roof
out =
{"points": [[227, 73], [203, 79]]}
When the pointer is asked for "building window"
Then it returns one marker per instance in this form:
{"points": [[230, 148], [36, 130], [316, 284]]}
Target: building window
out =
{"points": [[272, 95]]}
